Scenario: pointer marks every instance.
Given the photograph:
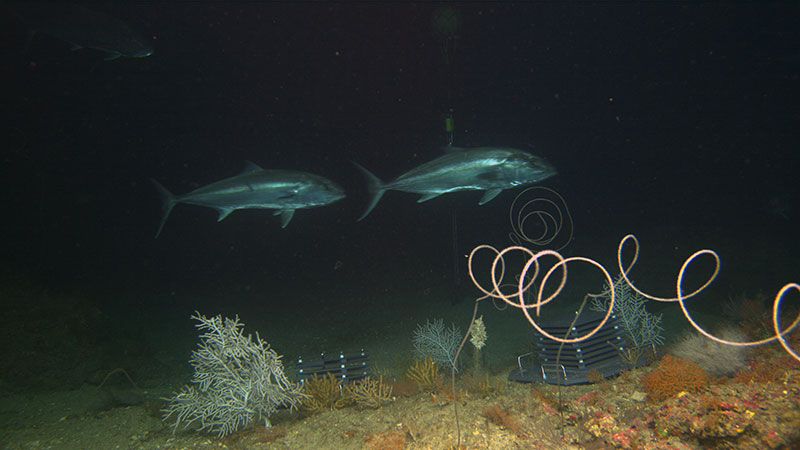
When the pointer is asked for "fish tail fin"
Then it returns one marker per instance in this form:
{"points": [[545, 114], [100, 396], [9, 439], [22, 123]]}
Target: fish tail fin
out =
{"points": [[374, 187], [169, 202]]}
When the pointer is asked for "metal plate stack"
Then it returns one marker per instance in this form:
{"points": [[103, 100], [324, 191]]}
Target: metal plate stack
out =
{"points": [[344, 365], [600, 352]]}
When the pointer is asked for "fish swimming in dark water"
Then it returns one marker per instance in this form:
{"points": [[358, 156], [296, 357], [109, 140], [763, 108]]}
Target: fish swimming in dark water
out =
{"points": [[83, 28], [489, 169], [282, 190]]}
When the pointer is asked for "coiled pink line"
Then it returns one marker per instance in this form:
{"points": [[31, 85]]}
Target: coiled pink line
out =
{"points": [[533, 260]]}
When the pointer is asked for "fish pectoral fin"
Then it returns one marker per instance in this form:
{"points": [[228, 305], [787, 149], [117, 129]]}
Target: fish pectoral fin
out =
{"points": [[223, 213], [75, 47], [286, 216], [112, 56], [427, 197], [489, 195], [250, 167]]}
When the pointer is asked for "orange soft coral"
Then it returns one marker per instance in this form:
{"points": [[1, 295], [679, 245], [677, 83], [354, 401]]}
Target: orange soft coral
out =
{"points": [[674, 375]]}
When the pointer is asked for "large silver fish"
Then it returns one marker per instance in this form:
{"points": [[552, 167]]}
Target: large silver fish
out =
{"points": [[487, 169], [283, 190], [82, 27]]}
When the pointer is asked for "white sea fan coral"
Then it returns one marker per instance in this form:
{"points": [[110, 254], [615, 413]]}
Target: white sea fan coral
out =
{"points": [[717, 359], [642, 327], [235, 379], [439, 342]]}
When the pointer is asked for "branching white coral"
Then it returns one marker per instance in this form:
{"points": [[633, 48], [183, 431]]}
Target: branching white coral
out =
{"points": [[437, 341], [641, 327], [235, 379]]}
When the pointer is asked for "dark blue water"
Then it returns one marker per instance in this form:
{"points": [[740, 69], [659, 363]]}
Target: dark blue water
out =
{"points": [[676, 122]]}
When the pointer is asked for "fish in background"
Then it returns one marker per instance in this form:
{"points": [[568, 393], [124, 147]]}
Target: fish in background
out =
{"points": [[282, 190], [82, 28], [490, 169], [779, 206]]}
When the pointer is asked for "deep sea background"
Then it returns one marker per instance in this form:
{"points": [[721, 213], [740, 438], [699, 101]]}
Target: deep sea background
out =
{"points": [[673, 121]]}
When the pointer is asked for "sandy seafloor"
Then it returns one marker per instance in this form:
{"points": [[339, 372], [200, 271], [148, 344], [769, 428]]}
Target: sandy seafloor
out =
{"points": [[613, 414]]}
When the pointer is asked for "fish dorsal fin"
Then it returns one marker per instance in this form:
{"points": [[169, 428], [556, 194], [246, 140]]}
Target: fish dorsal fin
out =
{"points": [[427, 197], [250, 167], [489, 195], [223, 213], [286, 215]]}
